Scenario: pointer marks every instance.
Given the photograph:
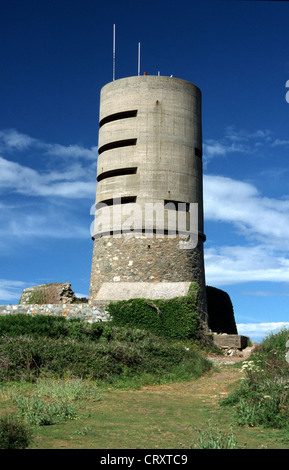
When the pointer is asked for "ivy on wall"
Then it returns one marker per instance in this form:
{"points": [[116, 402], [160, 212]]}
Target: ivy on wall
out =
{"points": [[172, 318]]}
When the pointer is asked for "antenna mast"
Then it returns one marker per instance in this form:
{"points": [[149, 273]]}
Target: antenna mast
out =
{"points": [[113, 54], [138, 66]]}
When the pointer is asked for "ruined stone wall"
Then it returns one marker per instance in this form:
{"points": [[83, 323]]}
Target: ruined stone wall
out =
{"points": [[55, 293]]}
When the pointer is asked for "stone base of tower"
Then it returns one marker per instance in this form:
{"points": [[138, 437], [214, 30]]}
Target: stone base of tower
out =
{"points": [[124, 268]]}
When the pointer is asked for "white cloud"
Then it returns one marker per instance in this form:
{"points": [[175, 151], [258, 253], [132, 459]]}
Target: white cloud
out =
{"points": [[74, 177], [46, 222], [72, 189], [13, 141], [239, 203], [262, 222], [213, 148], [260, 330], [75, 151], [48, 212], [11, 290], [69, 183], [243, 135], [237, 264], [241, 141], [278, 142]]}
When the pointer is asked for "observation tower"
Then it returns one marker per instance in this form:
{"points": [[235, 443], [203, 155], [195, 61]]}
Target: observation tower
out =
{"points": [[148, 228]]}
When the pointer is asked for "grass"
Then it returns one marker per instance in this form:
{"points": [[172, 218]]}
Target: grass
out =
{"points": [[167, 416], [161, 395]]}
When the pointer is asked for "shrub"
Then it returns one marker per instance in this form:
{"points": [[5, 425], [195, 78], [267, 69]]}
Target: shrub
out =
{"points": [[49, 326], [262, 397], [14, 434], [28, 358], [273, 346], [42, 325], [98, 351], [172, 318]]}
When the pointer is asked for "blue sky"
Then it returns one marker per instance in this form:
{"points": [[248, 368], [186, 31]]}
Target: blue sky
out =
{"points": [[55, 57]]}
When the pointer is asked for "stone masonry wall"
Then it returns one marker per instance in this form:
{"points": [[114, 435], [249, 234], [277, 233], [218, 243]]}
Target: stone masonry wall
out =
{"points": [[144, 259], [147, 260], [90, 314]]}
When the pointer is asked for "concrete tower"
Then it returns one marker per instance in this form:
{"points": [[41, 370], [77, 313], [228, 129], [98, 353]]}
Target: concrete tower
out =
{"points": [[148, 231]]}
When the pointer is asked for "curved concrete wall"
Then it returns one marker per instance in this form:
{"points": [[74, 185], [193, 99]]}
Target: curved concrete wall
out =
{"points": [[150, 145]]}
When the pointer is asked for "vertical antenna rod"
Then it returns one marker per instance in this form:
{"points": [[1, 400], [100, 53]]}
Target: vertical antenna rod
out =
{"points": [[113, 52], [138, 66]]}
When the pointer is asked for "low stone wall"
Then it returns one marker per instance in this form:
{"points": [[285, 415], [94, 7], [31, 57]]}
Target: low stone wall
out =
{"points": [[89, 313]]}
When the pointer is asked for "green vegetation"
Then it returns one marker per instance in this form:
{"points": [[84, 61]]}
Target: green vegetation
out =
{"points": [[69, 361], [14, 433], [50, 327], [38, 411], [175, 318], [97, 351], [214, 438], [262, 397], [71, 384]]}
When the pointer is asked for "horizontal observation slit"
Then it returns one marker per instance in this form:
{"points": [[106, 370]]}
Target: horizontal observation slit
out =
{"points": [[114, 201], [116, 116], [177, 205], [117, 144], [117, 172]]}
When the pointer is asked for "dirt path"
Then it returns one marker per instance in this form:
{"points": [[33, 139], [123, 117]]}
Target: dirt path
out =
{"points": [[234, 357], [213, 384]]}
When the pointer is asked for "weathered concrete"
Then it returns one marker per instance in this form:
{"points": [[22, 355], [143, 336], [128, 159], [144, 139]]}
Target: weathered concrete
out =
{"points": [[168, 148], [225, 341], [150, 290]]}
